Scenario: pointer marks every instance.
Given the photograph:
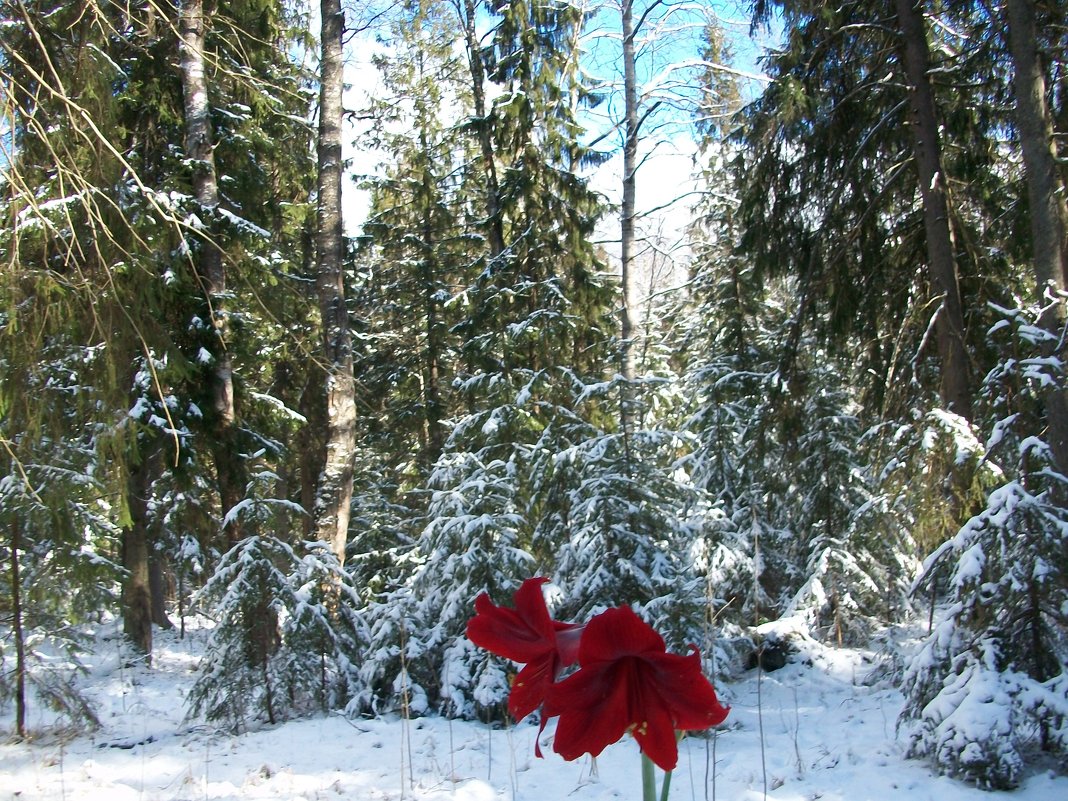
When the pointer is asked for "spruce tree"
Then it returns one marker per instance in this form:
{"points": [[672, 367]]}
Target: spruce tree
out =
{"points": [[987, 692]]}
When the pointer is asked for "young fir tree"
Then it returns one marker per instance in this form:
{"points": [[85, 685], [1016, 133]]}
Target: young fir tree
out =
{"points": [[611, 508], [988, 690], [986, 693], [418, 250], [856, 560], [534, 302], [726, 328], [256, 669]]}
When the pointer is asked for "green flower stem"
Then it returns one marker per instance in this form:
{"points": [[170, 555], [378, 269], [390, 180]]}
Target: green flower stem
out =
{"points": [[665, 788], [648, 780]]}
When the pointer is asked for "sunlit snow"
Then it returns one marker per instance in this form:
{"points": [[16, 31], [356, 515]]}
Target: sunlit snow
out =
{"points": [[823, 727]]}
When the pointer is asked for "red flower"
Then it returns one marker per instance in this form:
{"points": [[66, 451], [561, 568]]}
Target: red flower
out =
{"points": [[628, 682], [527, 635]]}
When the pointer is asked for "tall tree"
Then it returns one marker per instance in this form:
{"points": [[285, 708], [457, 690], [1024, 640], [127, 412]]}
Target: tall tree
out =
{"points": [[843, 188], [1047, 208], [631, 126], [1003, 571], [334, 498], [208, 259], [937, 221], [483, 124]]}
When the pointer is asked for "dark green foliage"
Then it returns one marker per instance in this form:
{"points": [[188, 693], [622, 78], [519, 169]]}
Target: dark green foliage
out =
{"points": [[286, 641], [785, 454], [828, 192], [988, 687], [56, 531]]}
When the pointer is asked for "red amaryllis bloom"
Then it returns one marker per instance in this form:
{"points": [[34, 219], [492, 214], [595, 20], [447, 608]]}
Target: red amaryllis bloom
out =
{"points": [[627, 681], [525, 634]]}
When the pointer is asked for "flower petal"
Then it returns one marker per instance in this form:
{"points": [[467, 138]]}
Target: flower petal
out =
{"points": [[530, 685], [656, 736], [593, 709], [684, 691], [615, 633], [627, 681], [522, 634], [568, 637]]}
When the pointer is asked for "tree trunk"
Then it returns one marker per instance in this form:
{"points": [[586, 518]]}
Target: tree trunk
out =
{"points": [[16, 628], [334, 501], [494, 222], [311, 448], [433, 408], [136, 595], [199, 146], [941, 252], [199, 149], [628, 280], [159, 585], [1049, 214]]}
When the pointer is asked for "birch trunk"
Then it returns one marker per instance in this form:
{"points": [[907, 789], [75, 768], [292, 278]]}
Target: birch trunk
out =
{"points": [[628, 280], [630, 165]]}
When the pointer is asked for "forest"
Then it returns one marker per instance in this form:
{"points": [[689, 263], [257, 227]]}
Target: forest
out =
{"points": [[835, 392]]}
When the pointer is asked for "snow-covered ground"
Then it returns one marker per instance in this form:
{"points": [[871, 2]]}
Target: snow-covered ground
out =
{"points": [[820, 728]]}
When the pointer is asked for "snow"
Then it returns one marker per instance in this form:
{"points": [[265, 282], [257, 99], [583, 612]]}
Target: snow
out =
{"points": [[826, 734]]}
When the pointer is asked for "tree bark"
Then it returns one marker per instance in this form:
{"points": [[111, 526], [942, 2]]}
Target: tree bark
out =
{"points": [[1049, 214], [16, 628], [159, 583], [334, 501], [311, 447], [1046, 203], [941, 251], [628, 280], [136, 595], [494, 222], [199, 149]]}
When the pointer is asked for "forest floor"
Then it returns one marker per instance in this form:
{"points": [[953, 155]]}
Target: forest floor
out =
{"points": [[823, 727]]}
